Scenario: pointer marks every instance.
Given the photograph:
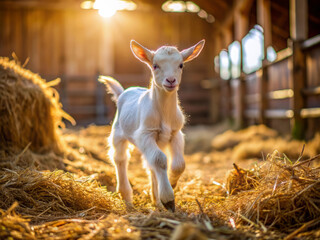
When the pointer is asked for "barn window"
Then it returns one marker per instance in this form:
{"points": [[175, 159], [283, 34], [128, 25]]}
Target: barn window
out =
{"points": [[188, 6], [216, 64], [253, 49], [271, 54], [235, 59], [224, 65]]}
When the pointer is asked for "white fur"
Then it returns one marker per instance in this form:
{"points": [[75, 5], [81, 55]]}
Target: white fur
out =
{"points": [[152, 120]]}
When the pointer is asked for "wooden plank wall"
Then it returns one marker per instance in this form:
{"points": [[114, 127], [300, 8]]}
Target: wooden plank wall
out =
{"points": [[278, 110], [78, 45], [312, 91]]}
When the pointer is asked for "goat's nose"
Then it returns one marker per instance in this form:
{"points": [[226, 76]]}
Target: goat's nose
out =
{"points": [[170, 80]]}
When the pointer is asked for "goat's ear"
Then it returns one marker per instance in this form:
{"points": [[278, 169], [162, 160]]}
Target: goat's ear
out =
{"points": [[192, 52], [140, 52]]}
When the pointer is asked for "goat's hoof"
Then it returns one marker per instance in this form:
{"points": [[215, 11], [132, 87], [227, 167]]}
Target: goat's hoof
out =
{"points": [[129, 206], [170, 206], [174, 185]]}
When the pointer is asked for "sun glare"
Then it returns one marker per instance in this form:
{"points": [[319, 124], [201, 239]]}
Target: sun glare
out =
{"points": [[107, 12], [107, 8], [174, 6]]}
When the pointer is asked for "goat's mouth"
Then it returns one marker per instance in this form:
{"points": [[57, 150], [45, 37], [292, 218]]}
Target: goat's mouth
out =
{"points": [[170, 87]]}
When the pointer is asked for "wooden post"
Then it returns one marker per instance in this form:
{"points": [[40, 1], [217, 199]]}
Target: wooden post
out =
{"points": [[238, 85], [226, 36], [241, 24], [262, 76], [298, 20], [297, 63], [226, 40], [264, 20]]}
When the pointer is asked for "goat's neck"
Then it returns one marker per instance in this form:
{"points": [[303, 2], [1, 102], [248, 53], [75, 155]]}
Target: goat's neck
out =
{"points": [[165, 102]]}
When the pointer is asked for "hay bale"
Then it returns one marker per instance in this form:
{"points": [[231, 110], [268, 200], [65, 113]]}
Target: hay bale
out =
{"points": [[30, 111]]}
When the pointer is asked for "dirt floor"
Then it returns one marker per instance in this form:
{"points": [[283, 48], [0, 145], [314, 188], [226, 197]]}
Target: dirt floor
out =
{"points": [[80, 202]]}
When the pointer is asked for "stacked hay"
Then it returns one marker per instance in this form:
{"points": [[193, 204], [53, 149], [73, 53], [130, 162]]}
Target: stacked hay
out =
{"points": [[30, 140], [31, 115]]}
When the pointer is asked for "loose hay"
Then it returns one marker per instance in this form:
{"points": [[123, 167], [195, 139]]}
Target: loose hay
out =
{"points": [[258, 141], [285, 197], [230, 138], [46, 196], [14, 227], [240, 180], [55, 214]]}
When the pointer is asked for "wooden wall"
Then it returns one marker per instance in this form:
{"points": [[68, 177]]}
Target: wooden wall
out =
{"points": [[268, 95], [78, 45]]}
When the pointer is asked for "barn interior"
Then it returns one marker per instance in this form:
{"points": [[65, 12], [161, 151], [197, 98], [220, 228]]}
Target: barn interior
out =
{"points": [[252, 100]]}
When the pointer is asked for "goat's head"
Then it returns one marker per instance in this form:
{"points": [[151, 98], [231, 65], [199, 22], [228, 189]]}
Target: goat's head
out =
{"points": [[166, 63]]}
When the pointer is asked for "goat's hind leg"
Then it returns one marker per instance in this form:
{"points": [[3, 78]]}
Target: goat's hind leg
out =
{"points": [[120, 155]]}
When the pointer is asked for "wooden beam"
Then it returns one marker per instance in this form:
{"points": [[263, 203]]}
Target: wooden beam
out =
{"points": [[297, 78], [262, 77], [241, 25], [239, 103], [311, 42], [40, 4], [298, 19], [310, 112], [279, 114], [243, 6], [280, 94], [311, 91], [297, 63], [251, 113], [283, 55], [264, 20], [227, 36], [252, 98]]}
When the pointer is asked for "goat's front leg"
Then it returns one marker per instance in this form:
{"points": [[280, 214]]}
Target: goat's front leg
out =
{"points": [[119, 153], [157, 162], [154, 189], [177, 167]]}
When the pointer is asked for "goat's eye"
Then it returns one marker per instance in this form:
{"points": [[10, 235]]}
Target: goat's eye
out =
{"points": [[155, 66], [181, 65]]}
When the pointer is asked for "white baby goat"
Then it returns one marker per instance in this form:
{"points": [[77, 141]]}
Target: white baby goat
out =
{"points": [[152, 120]]}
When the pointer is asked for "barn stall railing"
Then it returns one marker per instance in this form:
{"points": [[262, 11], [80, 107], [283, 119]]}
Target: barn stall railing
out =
{"points": [[86, 100], [284, 94]]}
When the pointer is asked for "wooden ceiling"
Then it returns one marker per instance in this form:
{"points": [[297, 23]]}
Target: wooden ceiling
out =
{"points": [[222, 10], [218, 8]]}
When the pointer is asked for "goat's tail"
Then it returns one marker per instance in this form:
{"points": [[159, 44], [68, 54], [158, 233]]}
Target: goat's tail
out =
{"points": [[113, 86]]}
